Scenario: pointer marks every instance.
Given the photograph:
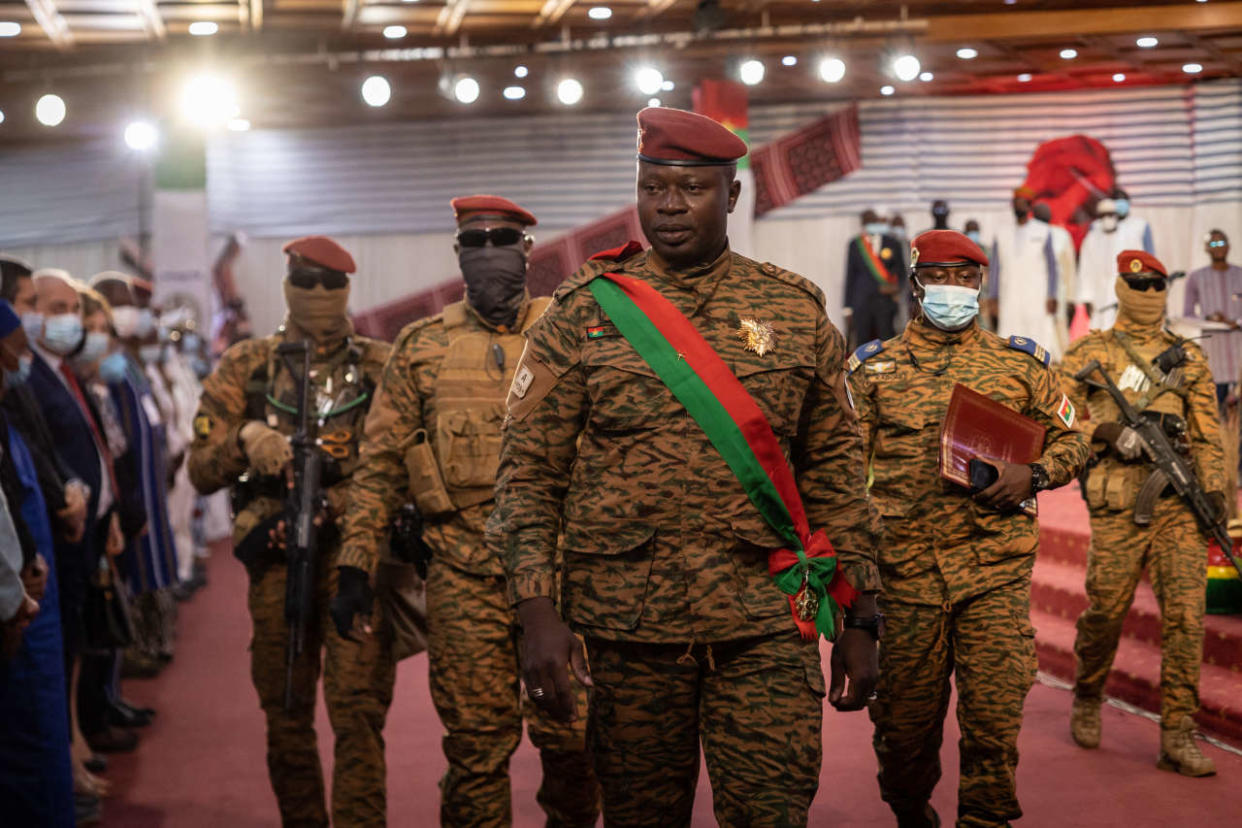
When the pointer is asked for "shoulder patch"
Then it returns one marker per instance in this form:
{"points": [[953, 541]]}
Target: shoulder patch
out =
{"points": [[619, 254], [590, 269], [1029, 346], [863, 353], [413, 329], [790, 278]]}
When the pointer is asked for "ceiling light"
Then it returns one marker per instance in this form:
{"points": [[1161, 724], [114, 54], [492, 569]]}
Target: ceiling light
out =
{"points": [[906, 67], [789, 60], [238, 125], [204, 28], [887, 90], [141, 136], [394, 32], [514, 93], [1119, 77], [569, 91], [1025, 77], [668, 86], [10, 29], [1010, 2], [649, 80], [653, 102], [967, 53], [50, 110], [1, 116], [409, 1], [1147, 42], [831, 70], [376, 91], [208, 100], [926, 76], [1069, 54], [1192, 68], [751, 72], [520, 71], [599, 13], [466, 90]]}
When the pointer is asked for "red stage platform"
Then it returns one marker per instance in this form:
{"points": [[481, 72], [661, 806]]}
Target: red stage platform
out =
{"points": [[1058, 596]]}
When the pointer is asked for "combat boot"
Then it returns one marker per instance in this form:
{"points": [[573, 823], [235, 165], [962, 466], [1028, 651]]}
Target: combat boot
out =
{"points": [[1085, 722], [925, 817], [1180, 752]]}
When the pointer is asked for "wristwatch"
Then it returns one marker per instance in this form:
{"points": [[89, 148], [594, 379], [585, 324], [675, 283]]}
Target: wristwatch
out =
{"points": [[1039, 477], [872, 625]]}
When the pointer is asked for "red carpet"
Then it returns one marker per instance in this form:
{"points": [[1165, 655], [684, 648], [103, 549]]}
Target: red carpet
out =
{"points": [[202, 764]]}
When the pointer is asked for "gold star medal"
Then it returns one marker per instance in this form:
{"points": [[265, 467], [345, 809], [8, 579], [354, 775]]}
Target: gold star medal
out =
{"points": [[759, 337]]}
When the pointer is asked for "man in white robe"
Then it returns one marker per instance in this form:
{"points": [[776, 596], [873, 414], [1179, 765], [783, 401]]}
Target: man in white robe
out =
{"points": [[1024, 280], [1110, 234]]}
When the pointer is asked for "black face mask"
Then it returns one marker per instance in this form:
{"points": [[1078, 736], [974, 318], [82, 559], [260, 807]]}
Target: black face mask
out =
{"points": [[495, 281], [1020, 214]]}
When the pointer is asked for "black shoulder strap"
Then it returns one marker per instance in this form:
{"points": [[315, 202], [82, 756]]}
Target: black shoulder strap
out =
{"points": [[256, 393]]}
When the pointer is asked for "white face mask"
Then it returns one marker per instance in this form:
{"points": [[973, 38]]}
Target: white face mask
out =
{"points": [[125, 320], [1109, 223]]}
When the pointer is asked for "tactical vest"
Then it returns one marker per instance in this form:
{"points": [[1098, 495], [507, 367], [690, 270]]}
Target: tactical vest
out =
{"points": [[456, 467]]}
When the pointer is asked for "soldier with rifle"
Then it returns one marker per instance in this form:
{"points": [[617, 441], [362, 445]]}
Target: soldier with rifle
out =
{"points": [[1156, 493], [279, 421]]}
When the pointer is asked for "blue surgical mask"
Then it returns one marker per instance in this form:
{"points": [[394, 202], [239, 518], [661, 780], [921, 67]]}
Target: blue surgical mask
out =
{"points": [[146, 322], [93, 349], [112, 368], [875, 228], [974, 236], [949, 307], [32, 324], [13, 379], [62, 333], [898, 231], [149, 354], [1123, 207]]}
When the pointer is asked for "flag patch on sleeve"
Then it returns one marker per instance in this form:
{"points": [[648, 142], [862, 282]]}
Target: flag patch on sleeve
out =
{"points": [[1066, 411]]}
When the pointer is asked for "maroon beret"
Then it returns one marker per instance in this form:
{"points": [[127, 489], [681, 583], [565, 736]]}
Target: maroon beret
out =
{"points": [[945, 247], [322, 251], [679, 138], [1139, 261], [468, 206]]}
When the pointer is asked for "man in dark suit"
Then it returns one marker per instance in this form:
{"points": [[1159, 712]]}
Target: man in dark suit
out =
{"points": [[875, 275]]}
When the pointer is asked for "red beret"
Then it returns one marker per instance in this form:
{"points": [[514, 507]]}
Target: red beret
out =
{"points": [[322, 251], [467, 206], [939, 247], [1139, 261], [679, 138]]}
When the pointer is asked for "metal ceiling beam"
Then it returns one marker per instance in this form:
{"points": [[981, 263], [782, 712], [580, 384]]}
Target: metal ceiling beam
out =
{"points": [[450, 18], [49, 18], [349, 13], [152, 22], [551, 13]]}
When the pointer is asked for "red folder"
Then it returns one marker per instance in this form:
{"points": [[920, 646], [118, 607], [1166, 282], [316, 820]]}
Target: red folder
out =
{"points": [[978, 426]]}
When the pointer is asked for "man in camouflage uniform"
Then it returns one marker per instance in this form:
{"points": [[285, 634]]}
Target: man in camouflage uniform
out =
{"points": [[433, 436], [241, 431], [956, 570], [665, 558], [1179, 393]]}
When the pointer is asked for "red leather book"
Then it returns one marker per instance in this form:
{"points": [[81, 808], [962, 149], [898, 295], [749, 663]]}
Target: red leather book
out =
{"points": [[978, 426]]}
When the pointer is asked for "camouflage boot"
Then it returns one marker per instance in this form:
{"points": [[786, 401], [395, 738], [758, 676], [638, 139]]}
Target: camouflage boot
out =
{"points": [[925, 817], [1179, 752], [1085, 722]]}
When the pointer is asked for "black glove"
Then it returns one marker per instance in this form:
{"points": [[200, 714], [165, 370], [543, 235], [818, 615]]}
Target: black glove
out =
{"points": [[353, 597]]}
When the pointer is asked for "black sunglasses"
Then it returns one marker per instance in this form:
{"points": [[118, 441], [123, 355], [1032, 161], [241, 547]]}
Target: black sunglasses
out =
{"points": [[308, 277], [498, 236], [1146, 283]]}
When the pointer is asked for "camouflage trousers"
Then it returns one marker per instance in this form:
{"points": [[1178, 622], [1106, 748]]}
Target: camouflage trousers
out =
{"points": [[357, 680], [472, 641], [986, 643], [1174, 552], [755, 705]]}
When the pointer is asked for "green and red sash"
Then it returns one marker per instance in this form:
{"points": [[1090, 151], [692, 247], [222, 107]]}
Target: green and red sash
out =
{"points": [[807, 571], [878, 271]]}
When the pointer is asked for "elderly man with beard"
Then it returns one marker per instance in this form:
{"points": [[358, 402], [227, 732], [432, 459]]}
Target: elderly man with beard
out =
{"points": [[433, 437], [241, 439]]}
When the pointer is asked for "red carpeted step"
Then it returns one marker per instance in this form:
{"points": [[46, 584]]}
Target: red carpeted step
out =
{"points": [[1057, 589], [1135, 677]]}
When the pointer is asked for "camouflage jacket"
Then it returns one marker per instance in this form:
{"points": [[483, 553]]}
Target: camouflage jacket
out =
{"points": [[660, 542], [1112, 484], [238, 390], [405, 404], [940, 545]]}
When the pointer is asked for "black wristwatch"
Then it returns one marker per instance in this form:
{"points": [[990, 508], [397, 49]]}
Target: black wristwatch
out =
{"points": [[871, 625], [1039, 477]]}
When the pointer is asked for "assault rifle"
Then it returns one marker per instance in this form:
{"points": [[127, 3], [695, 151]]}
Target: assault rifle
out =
{"points": [[303, 505], [1168, 465]]}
